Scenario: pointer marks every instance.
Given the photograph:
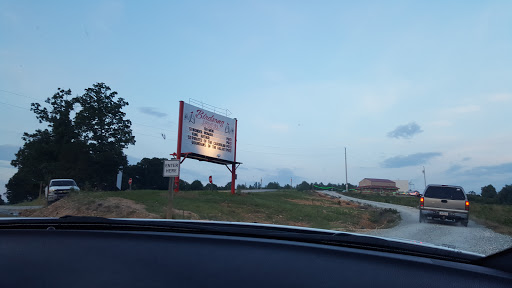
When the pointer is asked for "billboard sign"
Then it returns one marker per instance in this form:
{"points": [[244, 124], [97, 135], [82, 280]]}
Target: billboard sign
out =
{"points": [[207, 133]]}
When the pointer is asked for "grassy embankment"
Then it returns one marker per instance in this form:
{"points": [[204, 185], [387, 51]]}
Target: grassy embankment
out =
{"points": [[286, 207], [498, 217]]}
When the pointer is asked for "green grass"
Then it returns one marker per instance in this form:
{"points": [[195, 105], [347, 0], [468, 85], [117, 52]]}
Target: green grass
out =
{"points": [[495, 216], [281, 207], [399, 200], [37, 202]]}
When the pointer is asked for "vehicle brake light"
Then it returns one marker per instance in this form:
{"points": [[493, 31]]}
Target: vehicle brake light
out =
{"points": [[422, 200], [467, 205]]}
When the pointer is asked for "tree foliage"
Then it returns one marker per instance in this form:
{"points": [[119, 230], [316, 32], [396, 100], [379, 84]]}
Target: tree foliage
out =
{"points": [[505, 195], [489, 191], [84, 140]]}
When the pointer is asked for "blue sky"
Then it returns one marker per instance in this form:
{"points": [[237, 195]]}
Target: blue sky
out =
{"points": [[401, 84]]}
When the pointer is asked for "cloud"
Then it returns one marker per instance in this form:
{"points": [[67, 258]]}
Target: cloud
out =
{"points": [[466, 158], [405, 131], [409, 160], [501, 169], [7, 152], [152, 112], [501, 98], [279, 127], [464, 109]]}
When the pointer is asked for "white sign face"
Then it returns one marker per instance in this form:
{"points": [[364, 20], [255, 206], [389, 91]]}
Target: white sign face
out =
{"points": [[207, 133], [171, 168]]}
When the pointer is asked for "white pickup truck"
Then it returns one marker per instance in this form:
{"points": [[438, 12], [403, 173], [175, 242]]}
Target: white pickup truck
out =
{"points": [[58, 188]]}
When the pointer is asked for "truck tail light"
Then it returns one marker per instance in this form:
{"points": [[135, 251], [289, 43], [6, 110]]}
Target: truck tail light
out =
{"points": [[422, 201], [467, 205]]}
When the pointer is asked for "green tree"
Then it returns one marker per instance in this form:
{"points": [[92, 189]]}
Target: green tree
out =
{"points": [[304, 186], [196, 185], [87, 148], [101, 124], [505, 194], [489, 191], [211, 187], [273, 185], [146, 174]]}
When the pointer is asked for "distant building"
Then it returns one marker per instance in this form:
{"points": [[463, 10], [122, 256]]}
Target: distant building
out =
{"points": [[403, 185], [374, 185]]}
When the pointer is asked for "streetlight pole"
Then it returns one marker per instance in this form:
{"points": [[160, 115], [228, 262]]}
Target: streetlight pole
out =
{"points": [[346, 173], [424, 177]]}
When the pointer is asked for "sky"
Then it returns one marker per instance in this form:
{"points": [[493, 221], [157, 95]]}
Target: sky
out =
{"points": [[401, 85]]}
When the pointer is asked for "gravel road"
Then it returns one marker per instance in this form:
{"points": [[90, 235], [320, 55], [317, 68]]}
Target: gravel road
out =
{"points": [[474, 238]]}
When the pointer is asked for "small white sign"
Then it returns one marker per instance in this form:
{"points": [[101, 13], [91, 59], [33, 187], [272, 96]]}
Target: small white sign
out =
{"points": [[171, 168]]}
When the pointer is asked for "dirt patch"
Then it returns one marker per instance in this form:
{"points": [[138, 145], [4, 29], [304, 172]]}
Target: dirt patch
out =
{"points": [[112, 207]]}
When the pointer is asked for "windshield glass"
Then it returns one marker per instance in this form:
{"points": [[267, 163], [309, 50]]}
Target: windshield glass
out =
{"points": [[334, 114], [445, 193], [63, 183]]}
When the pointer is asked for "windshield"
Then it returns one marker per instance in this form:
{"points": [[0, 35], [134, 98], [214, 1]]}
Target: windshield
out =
{"points": [[445, 193], [334, 114], [63, 183]]}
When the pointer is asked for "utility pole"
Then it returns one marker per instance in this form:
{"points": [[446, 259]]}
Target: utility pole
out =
{"points": [[291, 182], [424, 177], [346, 173]]}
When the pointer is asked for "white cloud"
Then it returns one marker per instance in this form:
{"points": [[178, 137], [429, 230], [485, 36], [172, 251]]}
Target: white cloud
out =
{"points": [[464, 109], [441, 123], [501, 97], [279, 127]]}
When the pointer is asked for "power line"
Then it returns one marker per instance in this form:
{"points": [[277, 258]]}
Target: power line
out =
{"points": [[14, 93], [14, 105]]}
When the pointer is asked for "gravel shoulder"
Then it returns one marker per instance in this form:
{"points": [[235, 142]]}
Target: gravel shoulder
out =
{"points": [[474, 238]]}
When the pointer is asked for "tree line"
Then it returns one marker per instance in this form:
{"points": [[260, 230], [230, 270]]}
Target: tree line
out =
{"points": [[84, 139], [489, 195]]}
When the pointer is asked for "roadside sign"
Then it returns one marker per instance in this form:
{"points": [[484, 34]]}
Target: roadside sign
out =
{"points": [[130, 181], [210, 179], [171, 168]]}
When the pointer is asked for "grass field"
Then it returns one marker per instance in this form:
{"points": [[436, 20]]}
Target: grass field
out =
{"points": [[286, 207], [399, 200], [495, 216], [37, 202]]}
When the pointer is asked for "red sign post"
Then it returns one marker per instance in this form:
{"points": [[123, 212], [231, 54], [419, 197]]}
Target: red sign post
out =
{"points": [[130, 183], [210, 179]]}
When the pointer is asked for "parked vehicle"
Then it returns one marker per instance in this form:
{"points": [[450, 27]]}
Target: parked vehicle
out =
{"points": [[444, 202], [59, 188]]}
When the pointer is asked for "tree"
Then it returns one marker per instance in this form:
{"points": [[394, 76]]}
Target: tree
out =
{"points": [[211, 186], [287, 186], [505, 194], [273, 185], [304, 186], [227, 186], [196, 185], [489, 191], [101, 124], [87, 147], [146, 174]]}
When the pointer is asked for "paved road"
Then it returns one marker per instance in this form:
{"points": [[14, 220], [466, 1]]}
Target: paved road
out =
{"points": [[474, 238], [15, 210]]}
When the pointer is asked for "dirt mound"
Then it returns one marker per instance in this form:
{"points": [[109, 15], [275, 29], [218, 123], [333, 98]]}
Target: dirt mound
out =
{"points": [[112, 207]]}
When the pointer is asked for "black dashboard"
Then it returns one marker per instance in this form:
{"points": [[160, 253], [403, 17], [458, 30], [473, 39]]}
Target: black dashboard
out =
{"points": [[70, 258]]}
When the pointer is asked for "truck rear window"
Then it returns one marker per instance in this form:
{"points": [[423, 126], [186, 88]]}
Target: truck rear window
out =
{"points": [[451, 193]]}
